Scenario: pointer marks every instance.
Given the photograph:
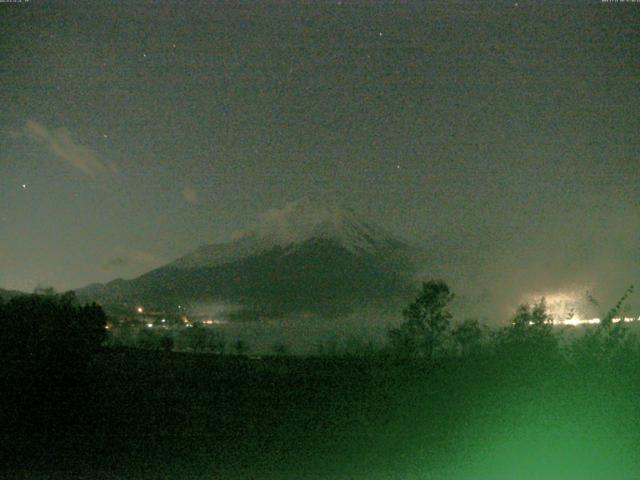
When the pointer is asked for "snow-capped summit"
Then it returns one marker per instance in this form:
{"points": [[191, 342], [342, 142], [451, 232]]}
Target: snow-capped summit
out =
{"points": [[303, 220], [291, 226]]}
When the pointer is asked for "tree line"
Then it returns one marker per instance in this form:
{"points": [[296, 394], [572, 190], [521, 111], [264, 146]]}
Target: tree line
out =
{"points": [[428, 332], [47, 332]]}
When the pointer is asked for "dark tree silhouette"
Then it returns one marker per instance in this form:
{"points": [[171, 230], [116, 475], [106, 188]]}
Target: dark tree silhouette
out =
{"points": [[530, 336], [46, 345], [198, 337], [217, 342], [609, 342], [427, 320], [241, 347], [614, 311], [468, 335], [166, 342], [48, 331]]}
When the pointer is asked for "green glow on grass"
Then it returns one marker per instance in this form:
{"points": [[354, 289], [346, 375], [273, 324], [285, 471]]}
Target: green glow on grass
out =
{"points": [[546, 434]]}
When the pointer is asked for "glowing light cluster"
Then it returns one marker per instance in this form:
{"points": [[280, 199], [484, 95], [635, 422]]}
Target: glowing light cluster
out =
{"points": [[593, 321], [214, 321], [574, 321], [570, 309]]}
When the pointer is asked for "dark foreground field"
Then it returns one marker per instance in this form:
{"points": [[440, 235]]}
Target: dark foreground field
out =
{"points": [[152, 415]]}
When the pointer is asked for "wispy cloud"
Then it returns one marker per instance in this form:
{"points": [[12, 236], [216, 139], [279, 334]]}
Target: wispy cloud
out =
{"points": [[59, 142], [128, 258], [190, 195]]}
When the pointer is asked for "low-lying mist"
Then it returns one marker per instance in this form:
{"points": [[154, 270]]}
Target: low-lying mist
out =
{"points": [[304, 333]]}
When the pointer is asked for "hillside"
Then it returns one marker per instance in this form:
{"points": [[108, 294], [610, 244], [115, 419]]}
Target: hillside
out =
{"points": [[302, 258]]}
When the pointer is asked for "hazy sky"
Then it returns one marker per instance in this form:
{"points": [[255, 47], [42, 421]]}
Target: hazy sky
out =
{"points": [[503, 135]]}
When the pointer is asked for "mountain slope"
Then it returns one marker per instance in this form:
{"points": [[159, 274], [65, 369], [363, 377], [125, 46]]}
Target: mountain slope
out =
{"points": [[293, 225], [303, 258]]}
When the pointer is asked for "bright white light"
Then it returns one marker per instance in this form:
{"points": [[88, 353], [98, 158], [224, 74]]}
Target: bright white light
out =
{"points": [[574, 322], [569, 309], [140, 310], [214, 321], [149, 325], [565, 307]]}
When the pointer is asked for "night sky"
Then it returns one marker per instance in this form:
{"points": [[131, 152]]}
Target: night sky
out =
{"points": [[501, 136]]}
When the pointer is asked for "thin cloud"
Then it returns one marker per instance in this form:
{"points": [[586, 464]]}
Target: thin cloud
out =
{"points": [[128, 258], [60, 143], [190, 195]]}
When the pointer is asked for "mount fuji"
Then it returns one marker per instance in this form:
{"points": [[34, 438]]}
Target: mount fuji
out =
{"points": [[306, 257]]}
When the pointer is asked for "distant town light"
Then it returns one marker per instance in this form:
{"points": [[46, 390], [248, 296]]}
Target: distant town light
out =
{"points": [[140, 310], [214, 321], [572, 321]]}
